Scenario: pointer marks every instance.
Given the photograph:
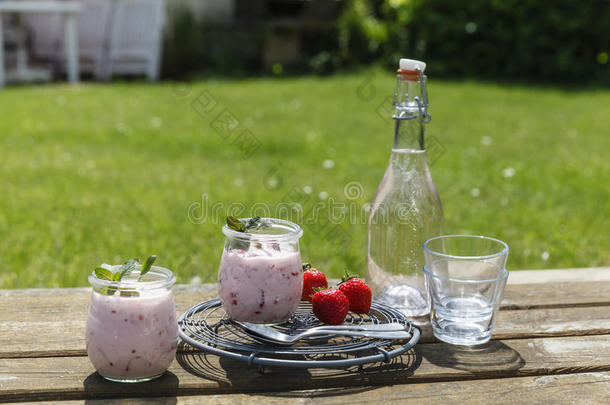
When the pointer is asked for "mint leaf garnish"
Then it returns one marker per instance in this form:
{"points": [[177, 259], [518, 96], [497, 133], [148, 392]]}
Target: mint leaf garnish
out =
{"points": [[128, 267], [252, 225], [256, 224], [147, 266], [108, 290], [129, 292], [235, 224], [103, 273]]}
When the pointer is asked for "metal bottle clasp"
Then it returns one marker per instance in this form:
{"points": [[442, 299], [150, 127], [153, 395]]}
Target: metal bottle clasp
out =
{"points": [[425, 117], [422, 105]]}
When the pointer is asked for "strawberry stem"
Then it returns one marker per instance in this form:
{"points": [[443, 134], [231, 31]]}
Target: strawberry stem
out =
{"points": [[346, 277]]}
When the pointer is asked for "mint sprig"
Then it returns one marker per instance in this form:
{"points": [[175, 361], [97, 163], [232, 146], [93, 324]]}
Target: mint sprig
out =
{"points": [[103, 274], [126, 269], [236, 224], [252, 225], [147, 266]]}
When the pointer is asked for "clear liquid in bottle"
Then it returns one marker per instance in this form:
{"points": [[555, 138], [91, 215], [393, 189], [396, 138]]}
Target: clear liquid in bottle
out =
{"points": [[406, 210]]}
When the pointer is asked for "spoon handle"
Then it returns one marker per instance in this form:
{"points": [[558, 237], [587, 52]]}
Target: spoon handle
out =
{"points": [[378, 334], [378, 327]]}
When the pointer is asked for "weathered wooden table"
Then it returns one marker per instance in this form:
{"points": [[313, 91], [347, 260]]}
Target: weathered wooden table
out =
{"points": [[551, 344]]}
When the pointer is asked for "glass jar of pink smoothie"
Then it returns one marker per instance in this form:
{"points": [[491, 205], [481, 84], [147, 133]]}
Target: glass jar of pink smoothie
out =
{"points": [[132, 332], [260, 278]]}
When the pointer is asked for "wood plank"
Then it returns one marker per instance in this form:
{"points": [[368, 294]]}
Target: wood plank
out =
{"points": [[584, 388], [57, 318], [52, 304], [201, 374], [35, 303], [67, 337], [543, 322], [58, 321], [588, 274], [555, 288], [556, 295]]}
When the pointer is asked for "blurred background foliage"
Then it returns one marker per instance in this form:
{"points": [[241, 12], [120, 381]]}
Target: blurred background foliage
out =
{"points": [[531, 40], [106, 172]]}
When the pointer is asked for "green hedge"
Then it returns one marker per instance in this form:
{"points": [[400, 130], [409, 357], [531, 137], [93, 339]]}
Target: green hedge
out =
{"points": [[536, 40], [560, 40]]}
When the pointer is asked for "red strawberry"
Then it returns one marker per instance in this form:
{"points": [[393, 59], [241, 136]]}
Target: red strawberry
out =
{"points": [[330, 306], [312, 279], [358, 294]]}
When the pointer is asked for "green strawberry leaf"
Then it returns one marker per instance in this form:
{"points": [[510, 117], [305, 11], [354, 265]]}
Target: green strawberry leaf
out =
{"points": [[346, 277]]}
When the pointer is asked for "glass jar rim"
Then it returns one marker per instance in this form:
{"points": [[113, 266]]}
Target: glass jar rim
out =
{"points": [[294, 231], [168, 279], [428, 249], [502, 275]]}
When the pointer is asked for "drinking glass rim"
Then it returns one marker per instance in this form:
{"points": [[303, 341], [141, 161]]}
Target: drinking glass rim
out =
{"points": [[445, 255], [295, 231], [168, 281], [503, 270]]}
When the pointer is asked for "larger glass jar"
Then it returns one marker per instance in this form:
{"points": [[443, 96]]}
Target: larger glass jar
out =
{"points": [[260, 278], [132, 332]]}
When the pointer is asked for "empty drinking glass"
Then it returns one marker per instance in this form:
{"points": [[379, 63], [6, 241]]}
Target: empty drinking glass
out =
{"points": [[465, 277]]}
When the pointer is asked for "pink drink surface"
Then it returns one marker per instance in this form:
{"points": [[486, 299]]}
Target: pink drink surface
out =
{"points": [[132, 337], [261, 286]]}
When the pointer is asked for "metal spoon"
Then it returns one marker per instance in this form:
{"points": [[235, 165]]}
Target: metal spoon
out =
{"points": [[379, 331]]}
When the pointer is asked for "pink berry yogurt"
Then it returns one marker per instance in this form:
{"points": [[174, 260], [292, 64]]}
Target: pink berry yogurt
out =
{"points": [[260, 289], [133, 338], [262, 284]]}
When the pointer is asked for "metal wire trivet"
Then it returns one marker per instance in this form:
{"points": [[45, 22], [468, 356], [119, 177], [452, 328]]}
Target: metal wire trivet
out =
{"points": [[207, 326]]}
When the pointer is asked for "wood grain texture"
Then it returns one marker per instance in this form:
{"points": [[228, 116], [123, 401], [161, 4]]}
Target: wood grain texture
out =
{"points": [[584, 389], [200, 374], [53, 321], [51, 304], [543, 322], [579, 275], [556, 295]]}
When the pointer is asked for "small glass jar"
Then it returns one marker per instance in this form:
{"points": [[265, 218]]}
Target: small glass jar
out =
{"points": [[132, 332], [260, 277]]}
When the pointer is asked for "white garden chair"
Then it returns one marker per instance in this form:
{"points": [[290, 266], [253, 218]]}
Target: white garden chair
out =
{"points": [[114, 37], [92, 29], [94, 25], [46, 31], [135, 40]]}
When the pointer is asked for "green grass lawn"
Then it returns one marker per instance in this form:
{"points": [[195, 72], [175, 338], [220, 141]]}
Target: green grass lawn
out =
{"points": [[105, 172]]}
